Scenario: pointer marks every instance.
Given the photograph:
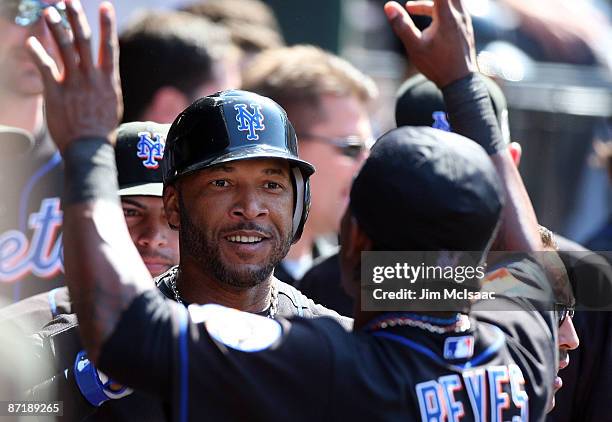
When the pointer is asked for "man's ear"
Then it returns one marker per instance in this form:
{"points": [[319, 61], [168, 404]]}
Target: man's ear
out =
{"points": [[358, 241], [354, 241], [172, 206]]}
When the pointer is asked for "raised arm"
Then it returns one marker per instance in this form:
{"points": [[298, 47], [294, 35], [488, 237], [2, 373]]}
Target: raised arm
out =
{"points": [[445, 53], [83, 104]]}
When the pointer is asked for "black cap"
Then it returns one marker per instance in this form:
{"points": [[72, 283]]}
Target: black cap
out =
{"points": [[139, 152], [423, 189], [420, 103], [237, 125], [230, 126]]}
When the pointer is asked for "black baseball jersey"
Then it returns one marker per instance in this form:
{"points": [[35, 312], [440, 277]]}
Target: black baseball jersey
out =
{"points": [[30, 221], [220, 364], [57, 347]]}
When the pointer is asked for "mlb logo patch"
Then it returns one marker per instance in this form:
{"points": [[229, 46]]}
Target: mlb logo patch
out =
{"points": [[459, 347]]}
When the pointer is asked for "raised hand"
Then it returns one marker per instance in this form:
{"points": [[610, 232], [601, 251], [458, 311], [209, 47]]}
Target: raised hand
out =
{"points": [[445, 51], [84, 99]]}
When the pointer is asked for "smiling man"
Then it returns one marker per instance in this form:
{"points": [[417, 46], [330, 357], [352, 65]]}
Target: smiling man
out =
{"points": [[232, 206], [327, 100], [239, 196], [207, 359]]}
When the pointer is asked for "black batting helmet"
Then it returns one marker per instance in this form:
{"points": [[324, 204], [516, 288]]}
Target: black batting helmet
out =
{"points": [[231, 126]]}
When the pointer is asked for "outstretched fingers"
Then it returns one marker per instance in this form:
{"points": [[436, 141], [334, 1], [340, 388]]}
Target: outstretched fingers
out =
{"points": [[82, 34], [422, 8], [46, 65], [402, 25], [108, 58], [63, 40], [444, 8]]}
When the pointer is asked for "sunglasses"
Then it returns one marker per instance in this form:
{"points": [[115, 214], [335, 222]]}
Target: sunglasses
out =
{"points": [[350, 146], [564, 311], [28, 12]]}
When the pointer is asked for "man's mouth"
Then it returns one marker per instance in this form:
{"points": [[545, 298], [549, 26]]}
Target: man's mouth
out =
{"points": [[247, 244], [156, 265], [245, 239], [246, 235]]}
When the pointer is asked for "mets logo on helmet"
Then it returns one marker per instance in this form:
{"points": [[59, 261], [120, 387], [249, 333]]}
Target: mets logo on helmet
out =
{"points": [[250, 122], [150, 149]]}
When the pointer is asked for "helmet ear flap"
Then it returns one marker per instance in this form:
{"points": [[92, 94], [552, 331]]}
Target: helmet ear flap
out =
{"points": [[302, 202]]}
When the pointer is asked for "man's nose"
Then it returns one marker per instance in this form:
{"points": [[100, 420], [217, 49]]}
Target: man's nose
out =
{"points": [[154, 234], [568, 338], [249, 204]]}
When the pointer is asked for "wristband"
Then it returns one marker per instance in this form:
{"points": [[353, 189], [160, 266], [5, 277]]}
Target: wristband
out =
{"points": [[90, 171], [471, 113], [96, 387]]}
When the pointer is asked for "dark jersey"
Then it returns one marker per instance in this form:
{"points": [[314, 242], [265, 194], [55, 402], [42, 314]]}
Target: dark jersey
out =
{"points": [[57, 346], [222, 364], [30, 222]]}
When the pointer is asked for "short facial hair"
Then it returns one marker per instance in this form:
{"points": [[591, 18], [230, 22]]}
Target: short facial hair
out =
{"points": [[198, 243]]}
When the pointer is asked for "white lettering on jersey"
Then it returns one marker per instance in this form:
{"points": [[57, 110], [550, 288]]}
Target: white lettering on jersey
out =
{"points": [[440, 400]]}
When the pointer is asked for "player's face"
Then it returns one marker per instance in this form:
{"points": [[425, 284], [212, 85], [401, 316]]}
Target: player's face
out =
{"points": [[235, 219], [330, 185], [156, 242], [18, 74], [568, 340]]}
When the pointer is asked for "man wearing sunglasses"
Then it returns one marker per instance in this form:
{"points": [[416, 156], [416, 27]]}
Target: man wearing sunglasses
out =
{"points": [[326, 99], [567, 338], [30, 214]]}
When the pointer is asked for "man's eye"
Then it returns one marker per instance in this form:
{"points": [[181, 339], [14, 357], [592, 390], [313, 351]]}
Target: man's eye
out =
{"points": [[127, 212], [220, 183], [273, 185]]}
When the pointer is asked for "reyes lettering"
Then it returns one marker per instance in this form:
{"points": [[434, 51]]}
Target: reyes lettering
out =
{"points": [[493, 393]]}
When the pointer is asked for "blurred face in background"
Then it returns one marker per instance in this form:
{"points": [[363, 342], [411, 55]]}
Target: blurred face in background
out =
{"points": [[336, 146], [156, 242], [18, 74], [226, 75]]}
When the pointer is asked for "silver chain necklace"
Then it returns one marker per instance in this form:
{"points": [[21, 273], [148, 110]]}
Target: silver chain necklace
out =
{"points": [[462, 325], [272, 310]]}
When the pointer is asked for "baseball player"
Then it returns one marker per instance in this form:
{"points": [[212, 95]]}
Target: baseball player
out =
{"points": [[139, 159], [205, 359], [138, 154], [30, 213]]}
